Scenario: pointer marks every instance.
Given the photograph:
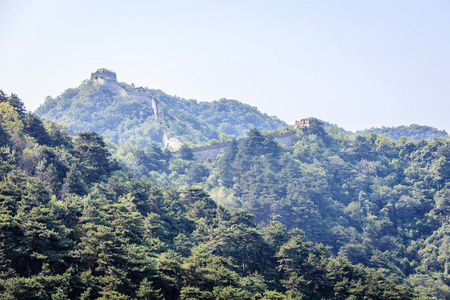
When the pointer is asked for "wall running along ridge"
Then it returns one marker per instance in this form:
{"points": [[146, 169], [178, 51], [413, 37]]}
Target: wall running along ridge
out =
{"points": [[210, 152]]}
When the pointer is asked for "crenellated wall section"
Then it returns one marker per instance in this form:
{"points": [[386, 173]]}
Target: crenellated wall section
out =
{"points": [[287, 138], [209, 152]]}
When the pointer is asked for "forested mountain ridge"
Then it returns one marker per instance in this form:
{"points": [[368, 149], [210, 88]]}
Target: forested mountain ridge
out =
{"points": [[373, 200], [73, 225], [123, 113], [414, 132]]}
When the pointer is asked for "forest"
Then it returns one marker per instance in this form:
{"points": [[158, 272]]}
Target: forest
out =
{"points": [[78, 223], [369, 199], [124, 113]]}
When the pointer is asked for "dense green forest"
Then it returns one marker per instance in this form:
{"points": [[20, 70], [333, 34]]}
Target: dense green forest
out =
{"points": [[370, 199], [75, 225], [123, 113]]}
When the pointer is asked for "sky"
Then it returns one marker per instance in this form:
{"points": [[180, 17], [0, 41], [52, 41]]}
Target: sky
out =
{"points": [[357, 64]]}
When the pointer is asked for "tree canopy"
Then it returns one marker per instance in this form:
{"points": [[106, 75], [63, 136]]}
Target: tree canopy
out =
{"points": [[75, 226]]}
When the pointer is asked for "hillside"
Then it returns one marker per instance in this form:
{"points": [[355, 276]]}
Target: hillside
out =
{"points": [[123, 113], [370, 199], [75, 226], [414, 132]]}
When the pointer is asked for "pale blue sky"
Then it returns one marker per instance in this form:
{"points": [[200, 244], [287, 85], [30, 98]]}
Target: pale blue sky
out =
{"points": [[358, 64]]}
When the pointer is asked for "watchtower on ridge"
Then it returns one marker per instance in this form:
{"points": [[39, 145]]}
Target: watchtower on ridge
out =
{"points": [[105, 74], [302, 123]]}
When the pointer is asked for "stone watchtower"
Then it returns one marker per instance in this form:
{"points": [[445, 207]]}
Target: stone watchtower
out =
{"points": [[302, 123], [104, 74], [311, 126]]}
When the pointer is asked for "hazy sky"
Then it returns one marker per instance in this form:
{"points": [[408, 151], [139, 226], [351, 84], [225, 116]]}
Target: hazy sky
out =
{"points": [[358, 64]]}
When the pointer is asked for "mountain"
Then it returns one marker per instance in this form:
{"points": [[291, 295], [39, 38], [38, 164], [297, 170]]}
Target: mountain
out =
{"points": [[73, 225], [414, 132], [123, 113], [373, 200]]}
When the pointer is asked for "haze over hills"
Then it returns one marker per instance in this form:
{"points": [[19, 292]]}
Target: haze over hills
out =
{"points": [[75, 225], [300, 209], [414, 132], [124, 113], [369, 200]]}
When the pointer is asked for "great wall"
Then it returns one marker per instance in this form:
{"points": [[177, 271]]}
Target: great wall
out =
{"points": [[109, 78], [211, 151], [287, 138], [105, 74]]}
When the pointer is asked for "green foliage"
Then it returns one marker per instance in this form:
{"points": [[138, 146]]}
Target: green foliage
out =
{"points": [[34, 127], [90, 148], [370, 199], [125, 114], [18, 105], [10, 119], [186, 152], [74, 226], [414, 132]]}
